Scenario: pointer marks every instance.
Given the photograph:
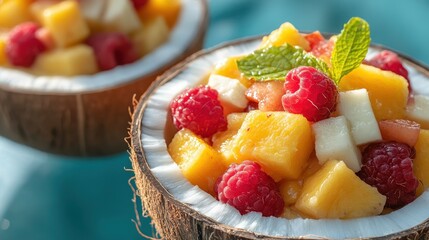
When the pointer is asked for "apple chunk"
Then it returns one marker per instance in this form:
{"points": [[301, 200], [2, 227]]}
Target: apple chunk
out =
{"points": [[400, 130]]}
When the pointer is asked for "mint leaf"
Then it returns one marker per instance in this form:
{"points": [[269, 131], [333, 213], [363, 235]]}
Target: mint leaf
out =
{"points": [[274, 63], [350, 48]]}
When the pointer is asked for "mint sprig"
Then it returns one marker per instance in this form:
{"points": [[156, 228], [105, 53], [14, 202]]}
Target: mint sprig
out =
{"points": [[273, 63]]}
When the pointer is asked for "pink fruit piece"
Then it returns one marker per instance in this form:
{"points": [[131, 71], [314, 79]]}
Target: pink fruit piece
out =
{"points": [[268, 95], [388, 166], [310, 93], [23, 47], [45, 36], [112, 49], [400, 130], [247, 188], [314, 39], [199, 110]]}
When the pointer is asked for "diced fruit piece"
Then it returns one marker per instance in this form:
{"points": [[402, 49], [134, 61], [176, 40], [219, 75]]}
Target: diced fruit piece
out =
{"points": [[290, 190], [314, 39], [231, 92], [168, 9], [387, 91], [14, 13], [152, 35], [421, 162], [3, 57], [76, 60], [336, 192], [418, 110], [37, 8], [92, 11], [249, 189], [323, 50], [197, 160], [400, 130], [286, 135], [310, 93], [45, 36], [286, 33], [334, 141], [228, 68], [112, 49], [120, 16], [356, 107], [388, 166], [65, 23], [139, 3], [23, 47], [268, 95]]}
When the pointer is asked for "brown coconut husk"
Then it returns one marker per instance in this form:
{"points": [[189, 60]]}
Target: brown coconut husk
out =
{"points": [[174, 219], [89, 123]]}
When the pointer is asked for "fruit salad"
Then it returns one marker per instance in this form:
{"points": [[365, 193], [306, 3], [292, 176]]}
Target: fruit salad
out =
{"points": [[81, 37], [306, 126]]}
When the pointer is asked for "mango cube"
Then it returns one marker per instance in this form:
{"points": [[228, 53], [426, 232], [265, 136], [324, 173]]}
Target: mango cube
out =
{"points": [[286, 33], [421, 162], [228, 68], [197, 160], [151, 36], [37, 8], [76, 60], [14, 12], [65, 22], [336, 192], [3, 57], [167, 9]]}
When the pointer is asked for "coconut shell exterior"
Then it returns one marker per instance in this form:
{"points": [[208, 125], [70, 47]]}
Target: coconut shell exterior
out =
{"points": [[81, 124], [174, 219]]}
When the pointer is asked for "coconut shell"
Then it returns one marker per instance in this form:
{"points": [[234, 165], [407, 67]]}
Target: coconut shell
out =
{"points": [[174, 219], [83, 123]]}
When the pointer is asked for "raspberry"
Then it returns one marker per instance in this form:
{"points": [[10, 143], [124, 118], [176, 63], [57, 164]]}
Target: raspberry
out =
{"points": [[199, 110], [139, 3], [310, 93], [388, 166], [112, 49], [247, 188], [23, 46]]}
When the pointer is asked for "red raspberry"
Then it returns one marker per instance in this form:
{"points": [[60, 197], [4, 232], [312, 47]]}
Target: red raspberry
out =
{"points": [[310, 93], [199, 110], [112, 49], [247, 188], [139, 3], [23, 46], [388, 166]]}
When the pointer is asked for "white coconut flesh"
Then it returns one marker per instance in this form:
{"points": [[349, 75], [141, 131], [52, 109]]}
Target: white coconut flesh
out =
{"points": [[169, 175], [182, 35]]}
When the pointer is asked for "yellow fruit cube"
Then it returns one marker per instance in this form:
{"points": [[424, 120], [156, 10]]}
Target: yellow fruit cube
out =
{"points": [[228, 68], [66, 23], [168, 9], [286, 33], [3, 57], [336, 192], [280, 142], [14, 12], [76, 60], [152, 35], [421, 162], [388, 92], [37, 8], [290, 190], [197, 160]]}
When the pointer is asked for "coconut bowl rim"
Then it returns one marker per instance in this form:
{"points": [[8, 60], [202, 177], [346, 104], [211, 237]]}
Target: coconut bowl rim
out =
{"points": [[137, 150]]}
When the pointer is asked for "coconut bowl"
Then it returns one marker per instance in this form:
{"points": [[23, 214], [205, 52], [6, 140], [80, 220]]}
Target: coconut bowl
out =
{"points": [[89, 115], [180, 210]]}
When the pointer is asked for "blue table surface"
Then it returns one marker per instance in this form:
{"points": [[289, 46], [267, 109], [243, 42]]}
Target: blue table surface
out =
{"points": [[45, 196]]}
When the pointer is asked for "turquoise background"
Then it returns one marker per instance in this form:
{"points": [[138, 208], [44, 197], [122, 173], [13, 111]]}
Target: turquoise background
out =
{"points": [[49, 197]]}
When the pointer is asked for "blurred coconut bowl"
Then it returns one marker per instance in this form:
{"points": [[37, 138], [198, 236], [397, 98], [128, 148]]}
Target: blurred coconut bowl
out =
{"points": [[89, 115], [180, 210]]}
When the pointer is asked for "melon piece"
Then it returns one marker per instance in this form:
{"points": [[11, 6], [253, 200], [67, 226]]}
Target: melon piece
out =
{"points": [[197, 160], [285, 34], [421, 161], [280, 142], [93, 10], [228, 68], [388, 92], [418, 110], [14, 12], [336, 192], [400, 130], [76, 60], [65, 23], [152, 35], [356, 107], [120, 16], [231, 92], [167, 9], [268, 95]]}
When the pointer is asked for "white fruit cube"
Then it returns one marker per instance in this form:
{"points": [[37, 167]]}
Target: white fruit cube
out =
{"points": [[334, 141], [419, 111], [120, 16], [230, 90], [92, 10], [153, 34], [356, 107]]}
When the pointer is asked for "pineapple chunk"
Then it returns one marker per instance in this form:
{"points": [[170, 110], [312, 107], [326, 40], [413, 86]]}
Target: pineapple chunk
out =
{"points": [[228, 68], [14, 12], [197, 160], [152, 35], [421, 162], [120, 16], [419, 111], [280, 142], [65, 23], [290, 190], [167, 9], [37, 8], [3, 57], [336, 192], [286, 33], [76, 60], [387, 91]]}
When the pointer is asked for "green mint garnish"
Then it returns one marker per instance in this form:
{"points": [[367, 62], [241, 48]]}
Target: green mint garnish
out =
{"points": [[350, 48], [274, 63]]}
